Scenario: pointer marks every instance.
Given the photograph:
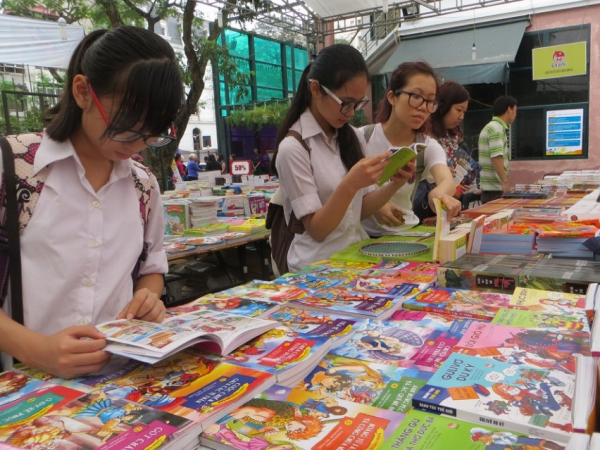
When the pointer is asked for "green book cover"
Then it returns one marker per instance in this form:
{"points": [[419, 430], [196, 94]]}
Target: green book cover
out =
{"points": [[397, 395], [424, 431], [396, 160], [541, 320]]}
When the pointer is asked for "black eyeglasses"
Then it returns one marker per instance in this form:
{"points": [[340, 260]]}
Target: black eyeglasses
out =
{"points": [[130, 136], [416, 100], [345, 106]]}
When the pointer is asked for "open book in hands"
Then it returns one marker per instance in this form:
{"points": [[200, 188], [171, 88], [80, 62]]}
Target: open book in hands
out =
{"points": [[399, 158], [216, 332]]}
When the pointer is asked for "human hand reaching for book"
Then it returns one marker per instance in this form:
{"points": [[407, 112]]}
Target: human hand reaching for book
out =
{"points": [[452, 205], [70, 353], [390, 215], [145, 305]]}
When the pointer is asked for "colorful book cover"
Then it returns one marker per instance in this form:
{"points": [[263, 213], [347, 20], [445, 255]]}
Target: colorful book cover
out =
{"points": [[520, 346], [424, 431], [352, 303], [524, 399], [458, 302], [388, 284], [189, 384], [541, 320], [392, 267], [14, 386], [409, 346], [96, 421], [333, 326], [364, 382], [431, 320], [324, 271], [308, 281], [282, 418], [287, 354], [224, 302], [347, 265], [550, 301], [266, 290], [176, 217]]}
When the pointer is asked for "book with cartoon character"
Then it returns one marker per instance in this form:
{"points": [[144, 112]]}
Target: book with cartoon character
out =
{"points": [[92, 421], [282, 418], [283, 352], [544, 349], [541, 320], [365, 382], [220, 301], [349, 303], [336, 327], [423, 431], [308, 281], [556, 302], [458, 302], [407, 346], [518, 398], [267, 290], [213, 331]]}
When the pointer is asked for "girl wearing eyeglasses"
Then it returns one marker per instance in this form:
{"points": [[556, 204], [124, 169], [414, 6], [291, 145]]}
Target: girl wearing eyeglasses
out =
{"points": [[91, 223], [401, 118], [329, 187]]}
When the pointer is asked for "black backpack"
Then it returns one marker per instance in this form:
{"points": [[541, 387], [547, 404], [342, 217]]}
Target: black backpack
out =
{"points": [[282, 233]]}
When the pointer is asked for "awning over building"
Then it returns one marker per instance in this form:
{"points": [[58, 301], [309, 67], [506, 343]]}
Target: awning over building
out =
{"points": [[37, 42], [450, 54]]}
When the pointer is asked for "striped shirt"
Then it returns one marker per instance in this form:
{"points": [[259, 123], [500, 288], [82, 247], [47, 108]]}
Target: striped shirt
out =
{"points": [[492, 143]]}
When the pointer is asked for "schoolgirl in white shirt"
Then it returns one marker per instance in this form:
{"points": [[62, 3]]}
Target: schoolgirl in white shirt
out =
{"points": [[401, 117], [330, 189], [85, 236]]}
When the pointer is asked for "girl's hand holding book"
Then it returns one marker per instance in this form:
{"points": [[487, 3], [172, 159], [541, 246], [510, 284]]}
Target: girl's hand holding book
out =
{"points": [[367, 171]]}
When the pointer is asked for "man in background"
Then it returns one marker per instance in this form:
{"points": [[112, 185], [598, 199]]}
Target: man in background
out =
{"points": [[493, 150]]}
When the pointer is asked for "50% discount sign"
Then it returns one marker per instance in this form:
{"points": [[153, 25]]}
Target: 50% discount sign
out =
{"points": [[240, 167]]}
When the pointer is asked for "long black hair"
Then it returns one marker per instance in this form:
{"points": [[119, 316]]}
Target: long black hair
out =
{"points": [[137, 68], [449, 93], [333, 67]]}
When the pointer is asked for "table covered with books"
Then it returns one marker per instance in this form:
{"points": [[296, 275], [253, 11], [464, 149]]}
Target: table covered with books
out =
{"points": [[345, 354]]}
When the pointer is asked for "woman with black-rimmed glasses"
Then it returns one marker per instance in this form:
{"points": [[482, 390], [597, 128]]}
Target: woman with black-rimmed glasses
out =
{"points": [[325, 180], [401, 119], [93, 248]]}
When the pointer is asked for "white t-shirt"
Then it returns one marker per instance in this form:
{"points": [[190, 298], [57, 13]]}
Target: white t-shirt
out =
{"points": [[306, 181], [434, 154], [80, 246]]}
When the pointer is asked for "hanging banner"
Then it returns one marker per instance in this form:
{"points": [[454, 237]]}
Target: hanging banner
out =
{"points": [[565, 60], [564, 132]]}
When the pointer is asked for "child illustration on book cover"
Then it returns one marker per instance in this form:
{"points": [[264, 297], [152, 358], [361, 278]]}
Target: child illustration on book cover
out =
{"points": [[505, 440]]}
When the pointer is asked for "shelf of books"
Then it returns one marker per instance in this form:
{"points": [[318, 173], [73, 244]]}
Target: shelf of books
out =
{"points": [[485, 352]]}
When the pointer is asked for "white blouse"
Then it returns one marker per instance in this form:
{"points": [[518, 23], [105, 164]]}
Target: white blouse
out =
{"points": [[80, 246], [306, 182]]}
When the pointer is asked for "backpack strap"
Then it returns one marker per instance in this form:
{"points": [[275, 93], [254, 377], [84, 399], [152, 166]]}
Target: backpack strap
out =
{"points": [[10, 234], [419, 139], [144, 188], [298, 137], [369, 131]]}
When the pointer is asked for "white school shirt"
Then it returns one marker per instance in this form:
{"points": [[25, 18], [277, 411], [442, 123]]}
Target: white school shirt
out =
{"points": [[306, 182], [434, 154], [80, 246]]}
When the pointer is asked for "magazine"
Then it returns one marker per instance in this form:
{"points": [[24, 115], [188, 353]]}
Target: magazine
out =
{"points": [[521, 398], [425, 431], [458, 302], [225, 302], [545, 349], [217, 332], [282, 418], [92, 421], [336, 327], [190, 384], [409, 346], [350, 303], [283, 352], [542, 320], [365, 382]]}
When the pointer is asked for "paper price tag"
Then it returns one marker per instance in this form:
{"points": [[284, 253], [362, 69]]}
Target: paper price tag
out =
{"points": [[240, 167]]}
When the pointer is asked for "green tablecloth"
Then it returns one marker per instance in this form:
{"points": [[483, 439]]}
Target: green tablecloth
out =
{"points": [[353, 254]]}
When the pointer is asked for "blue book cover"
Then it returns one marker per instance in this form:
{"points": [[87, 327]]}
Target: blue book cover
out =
{"points": [[515, 397]]}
